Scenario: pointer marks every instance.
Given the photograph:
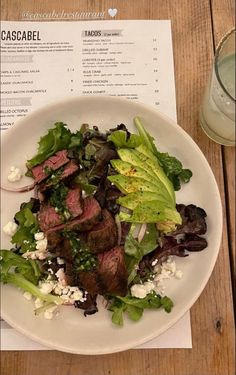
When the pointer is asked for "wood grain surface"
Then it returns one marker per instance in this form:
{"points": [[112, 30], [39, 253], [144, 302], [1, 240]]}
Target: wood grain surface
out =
{"points": [[197, 26]]}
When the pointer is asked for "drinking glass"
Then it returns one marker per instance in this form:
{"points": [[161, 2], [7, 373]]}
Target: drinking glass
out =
{"points": [[217, 113]]}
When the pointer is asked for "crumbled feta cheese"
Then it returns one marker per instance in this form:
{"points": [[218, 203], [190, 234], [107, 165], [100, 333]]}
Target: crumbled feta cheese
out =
{"points": [[65, 291], [46, 287], [77, 296], [58, 290], [48, 315], [27, 295], [60, 261], [10, 228], [60, 274], [179, 274], [39, 236], [41, 255], [38, 303], [30, 255], [154, 262], [41, 245], [164, 271], [138, 290], [15, 174]]}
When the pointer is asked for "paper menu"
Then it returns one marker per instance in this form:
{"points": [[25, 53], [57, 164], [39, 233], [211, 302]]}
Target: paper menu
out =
{"points": [[45, 61], [42, 62]]}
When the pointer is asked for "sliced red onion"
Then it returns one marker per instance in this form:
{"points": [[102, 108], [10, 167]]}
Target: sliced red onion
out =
{"points": [[22, 189], [136, 230], [142, 232], [118, 224]]}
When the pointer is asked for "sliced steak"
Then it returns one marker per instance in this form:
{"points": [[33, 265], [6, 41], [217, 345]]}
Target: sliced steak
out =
{"points": [[90, 281], [112, 271], [90, 216], [74, 202], [110, 276], [42, 171], [48, 217], [68, 171], [54, 239], [103, 235]]}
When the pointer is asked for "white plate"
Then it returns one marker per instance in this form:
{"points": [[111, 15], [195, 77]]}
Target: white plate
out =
{"points": [[70, 331]]}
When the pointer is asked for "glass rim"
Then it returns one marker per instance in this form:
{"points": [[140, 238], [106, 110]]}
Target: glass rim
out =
{"points": [[218, 49]]}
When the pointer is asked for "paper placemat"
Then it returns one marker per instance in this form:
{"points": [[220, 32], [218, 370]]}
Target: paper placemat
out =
{"points": [[44, 61]]}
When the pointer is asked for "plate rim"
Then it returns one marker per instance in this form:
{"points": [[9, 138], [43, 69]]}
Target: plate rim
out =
{"points": [[64, 101]]}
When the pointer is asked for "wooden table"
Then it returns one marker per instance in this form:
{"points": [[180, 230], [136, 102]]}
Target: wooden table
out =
{"points": [[197, 26]]}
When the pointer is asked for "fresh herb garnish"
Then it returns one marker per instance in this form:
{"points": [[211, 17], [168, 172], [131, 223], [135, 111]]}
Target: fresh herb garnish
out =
{"points": [[58, 198], [83, 259]]}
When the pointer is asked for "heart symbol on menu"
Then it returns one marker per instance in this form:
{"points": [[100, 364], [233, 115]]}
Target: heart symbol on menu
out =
{"points": [[112, 12]]}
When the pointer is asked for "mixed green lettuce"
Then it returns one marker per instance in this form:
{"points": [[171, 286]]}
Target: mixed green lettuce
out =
{"points": [[134, 307], [57, 138]]}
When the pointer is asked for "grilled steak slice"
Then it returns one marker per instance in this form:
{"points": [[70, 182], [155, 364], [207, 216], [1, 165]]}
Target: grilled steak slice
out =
{"points": [[103, 235], [74, 202], [68, 170], [110, 276], [90, 216], [90, 281], [43, 170], [54, 238], [112, 271], [48, 217]]}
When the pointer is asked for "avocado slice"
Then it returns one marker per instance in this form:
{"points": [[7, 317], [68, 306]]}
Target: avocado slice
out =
{"points": [[150, 166], [153, 212], [129, 170], [132, 200], [132, 184], [150, 159]]}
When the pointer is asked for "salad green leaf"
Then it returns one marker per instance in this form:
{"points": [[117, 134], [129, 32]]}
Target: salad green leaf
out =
{"points": [[27, 268], [120, 139], [135, 251], [57, 138], [170, 164], [28, 226], [134, 307], [24, 274]]}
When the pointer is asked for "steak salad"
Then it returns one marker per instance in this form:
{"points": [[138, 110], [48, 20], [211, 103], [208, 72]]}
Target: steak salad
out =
{"points": [[103, 220]]}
